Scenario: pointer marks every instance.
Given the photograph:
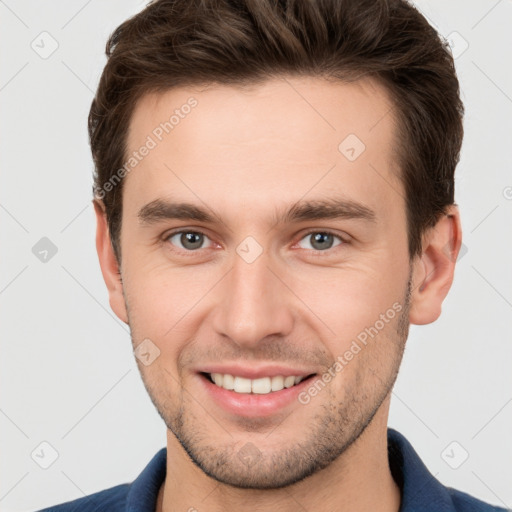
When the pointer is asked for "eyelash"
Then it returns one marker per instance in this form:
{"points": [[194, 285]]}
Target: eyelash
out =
{"points": [[314, 252]]}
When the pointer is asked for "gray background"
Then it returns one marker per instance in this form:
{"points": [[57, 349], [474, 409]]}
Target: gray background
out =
{"points": [[68, 376]]}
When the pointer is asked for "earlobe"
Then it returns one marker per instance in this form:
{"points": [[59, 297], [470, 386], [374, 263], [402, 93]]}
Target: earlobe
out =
{"points": [[108, 263], [433, 271]]}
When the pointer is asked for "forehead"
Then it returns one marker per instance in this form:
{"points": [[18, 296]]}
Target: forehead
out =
{"points": [[266, 144]]}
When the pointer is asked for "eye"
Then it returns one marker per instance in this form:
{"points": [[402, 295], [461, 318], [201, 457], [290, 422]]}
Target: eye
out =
{"points": [[321, 240], [189, 240]]}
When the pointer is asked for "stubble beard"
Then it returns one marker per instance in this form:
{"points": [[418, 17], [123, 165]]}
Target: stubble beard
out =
{"points": [[331, 431]]}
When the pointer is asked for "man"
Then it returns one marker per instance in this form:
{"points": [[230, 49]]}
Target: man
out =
{"points": [[232, 141]]}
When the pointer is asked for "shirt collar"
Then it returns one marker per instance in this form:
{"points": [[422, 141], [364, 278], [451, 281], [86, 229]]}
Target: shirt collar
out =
{"points": [[421, 491], [143, 491]]}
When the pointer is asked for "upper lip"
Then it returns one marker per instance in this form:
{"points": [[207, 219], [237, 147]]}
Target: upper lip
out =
{"points": [[254, 372]]}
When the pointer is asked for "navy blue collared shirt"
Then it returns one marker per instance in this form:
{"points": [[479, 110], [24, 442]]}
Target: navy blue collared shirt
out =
{"points": [[421, 491]]}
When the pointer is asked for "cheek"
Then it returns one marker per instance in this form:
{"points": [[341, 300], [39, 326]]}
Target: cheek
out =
{"points": [[352, 297], [164, 301]]}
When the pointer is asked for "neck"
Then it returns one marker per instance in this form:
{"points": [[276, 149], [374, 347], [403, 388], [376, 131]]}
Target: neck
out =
{"points": [[359, 480]]}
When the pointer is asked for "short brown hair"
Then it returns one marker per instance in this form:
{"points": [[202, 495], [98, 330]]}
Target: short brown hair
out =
{"points": [[174, 43]]}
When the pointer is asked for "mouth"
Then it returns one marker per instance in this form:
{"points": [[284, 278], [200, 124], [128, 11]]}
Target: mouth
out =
{"points": [[254, 391], [261, 386]]}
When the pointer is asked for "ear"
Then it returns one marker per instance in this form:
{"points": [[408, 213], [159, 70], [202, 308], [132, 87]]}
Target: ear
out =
{"points": [[108, 263], [433, 271]]}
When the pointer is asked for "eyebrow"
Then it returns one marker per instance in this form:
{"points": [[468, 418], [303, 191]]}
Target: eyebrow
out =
{"points": [[318, 209]]}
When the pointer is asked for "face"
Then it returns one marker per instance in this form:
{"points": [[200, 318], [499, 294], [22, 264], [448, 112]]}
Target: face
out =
{"points": [[264, 238]]}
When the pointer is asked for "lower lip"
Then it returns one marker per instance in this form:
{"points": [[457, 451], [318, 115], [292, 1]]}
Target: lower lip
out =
{"points": [[252, 405]]}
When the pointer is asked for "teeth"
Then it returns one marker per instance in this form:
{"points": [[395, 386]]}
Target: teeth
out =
{"points": [[261, 386], [242, 385], [277, 383], [289, 381], [228, 382]]}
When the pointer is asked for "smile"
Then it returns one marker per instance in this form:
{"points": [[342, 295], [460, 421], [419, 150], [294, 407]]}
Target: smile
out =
{"points": [[260, 386]]}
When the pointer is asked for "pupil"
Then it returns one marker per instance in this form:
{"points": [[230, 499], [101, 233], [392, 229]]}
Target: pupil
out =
{"points": [[192, 239], [322, 237], [319, 240]]}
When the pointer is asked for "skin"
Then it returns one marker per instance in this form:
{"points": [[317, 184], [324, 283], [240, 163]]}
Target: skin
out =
{"points": [[247, 154]]}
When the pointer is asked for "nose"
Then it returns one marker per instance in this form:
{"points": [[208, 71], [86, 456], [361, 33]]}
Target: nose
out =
{"points": [[253, 303]]}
